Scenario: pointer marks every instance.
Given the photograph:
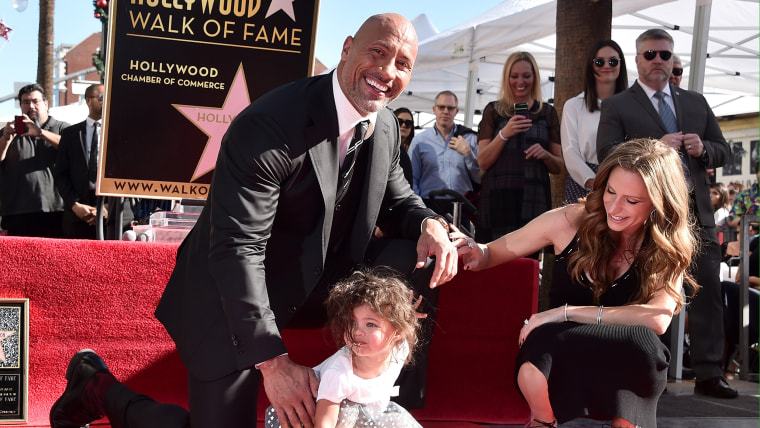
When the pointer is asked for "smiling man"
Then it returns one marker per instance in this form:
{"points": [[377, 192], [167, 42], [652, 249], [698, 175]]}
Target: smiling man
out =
{"points": [[682, 119], [297, 191]]}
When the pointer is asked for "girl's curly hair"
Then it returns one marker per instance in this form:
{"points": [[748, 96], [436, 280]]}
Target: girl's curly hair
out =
{"points": [[384, 292]]}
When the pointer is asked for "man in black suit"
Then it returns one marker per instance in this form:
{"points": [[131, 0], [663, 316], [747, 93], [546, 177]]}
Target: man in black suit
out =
{"points": [[75, 168], [683, 120], [291, 209]]}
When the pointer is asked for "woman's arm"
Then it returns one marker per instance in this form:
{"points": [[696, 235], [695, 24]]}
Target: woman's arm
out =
{"points": [[489, 149], [655, 314], [570, 130], [556, 227], [552, 158], [327, 414]]}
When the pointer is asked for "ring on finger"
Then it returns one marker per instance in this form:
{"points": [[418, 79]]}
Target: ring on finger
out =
{"points": [[470, 244]]}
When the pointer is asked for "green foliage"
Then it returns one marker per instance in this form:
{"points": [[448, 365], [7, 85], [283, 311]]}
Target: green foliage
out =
{"points": [[101, 10]]}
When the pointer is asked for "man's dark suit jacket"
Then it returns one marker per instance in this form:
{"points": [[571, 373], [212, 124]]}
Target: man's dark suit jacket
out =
{"points": [[71, 173], [259, 246], [630, 114]]}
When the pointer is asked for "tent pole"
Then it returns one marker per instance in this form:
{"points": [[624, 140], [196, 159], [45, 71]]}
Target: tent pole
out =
{"points": [[699, 45], [472, 87]]}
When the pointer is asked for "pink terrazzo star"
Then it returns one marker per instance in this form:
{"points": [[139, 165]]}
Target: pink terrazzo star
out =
{"points": [[215, 121]]}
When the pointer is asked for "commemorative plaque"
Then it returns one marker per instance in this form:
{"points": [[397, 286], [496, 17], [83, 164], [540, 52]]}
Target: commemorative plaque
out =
{"points": [[14, 361], [178, 72]]}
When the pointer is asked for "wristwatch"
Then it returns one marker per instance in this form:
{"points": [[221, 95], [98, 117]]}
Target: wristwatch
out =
{"points": [[442, 220]]}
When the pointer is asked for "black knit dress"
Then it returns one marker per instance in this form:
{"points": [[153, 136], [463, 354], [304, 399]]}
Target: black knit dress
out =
{"points": [[602, 371]]}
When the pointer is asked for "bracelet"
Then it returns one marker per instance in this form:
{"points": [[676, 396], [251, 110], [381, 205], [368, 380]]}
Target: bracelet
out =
{"points": [[501, 136], [599, 316], [565, 312]]}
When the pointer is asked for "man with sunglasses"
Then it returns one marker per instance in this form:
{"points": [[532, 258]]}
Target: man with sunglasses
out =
{"points": [[653, 108], [75, 168], [677, 73], [29, 203], [444, 157]]}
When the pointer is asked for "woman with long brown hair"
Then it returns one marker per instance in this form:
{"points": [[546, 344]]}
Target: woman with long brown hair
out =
{"points": [[621, 260]]}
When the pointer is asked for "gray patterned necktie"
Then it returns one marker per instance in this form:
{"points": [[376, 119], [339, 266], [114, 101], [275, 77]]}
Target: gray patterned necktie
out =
{"points": [[669, 119]]}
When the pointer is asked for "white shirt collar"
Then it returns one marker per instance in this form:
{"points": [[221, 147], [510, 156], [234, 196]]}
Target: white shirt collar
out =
{"points": [[91, 122], [650, 92], [348, 117]]}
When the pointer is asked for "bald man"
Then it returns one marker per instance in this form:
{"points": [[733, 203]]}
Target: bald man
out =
{"points": [[292, 207]]}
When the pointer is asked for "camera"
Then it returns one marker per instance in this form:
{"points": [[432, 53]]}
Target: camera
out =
{"points": [[19, 125], [522, 109]]}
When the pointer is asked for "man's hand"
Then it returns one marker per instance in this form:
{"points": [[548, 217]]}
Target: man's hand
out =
{"points": [[291, 389], [84, 212], [673, 140], [459, 144], [693, 144], [434, 241], [9, 132]]}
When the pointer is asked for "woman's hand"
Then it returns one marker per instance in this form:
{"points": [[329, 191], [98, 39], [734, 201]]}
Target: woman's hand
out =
{"points": [[539, 319], [474, 255], [517, 124], [537, 152]]}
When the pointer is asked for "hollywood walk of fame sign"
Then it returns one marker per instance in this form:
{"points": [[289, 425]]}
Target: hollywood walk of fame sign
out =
{"points": [[178, 72], [14, 361]]}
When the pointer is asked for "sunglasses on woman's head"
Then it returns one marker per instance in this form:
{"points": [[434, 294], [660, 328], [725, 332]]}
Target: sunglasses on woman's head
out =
{"points": [[599, 62], [650, 54], [407, 122], [677, 71]]}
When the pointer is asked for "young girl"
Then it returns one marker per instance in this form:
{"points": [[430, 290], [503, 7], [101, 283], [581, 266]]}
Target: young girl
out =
{"points": [[372, 314]]}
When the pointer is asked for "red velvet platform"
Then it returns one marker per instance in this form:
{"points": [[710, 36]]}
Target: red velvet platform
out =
{"points": [[101, 295]]}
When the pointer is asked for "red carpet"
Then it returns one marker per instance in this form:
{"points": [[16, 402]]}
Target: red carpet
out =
{"points": [[102, 294]]}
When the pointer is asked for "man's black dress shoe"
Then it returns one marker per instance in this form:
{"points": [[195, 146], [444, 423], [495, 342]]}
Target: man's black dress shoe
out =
{"points": [[80, 404], [715, 387]]}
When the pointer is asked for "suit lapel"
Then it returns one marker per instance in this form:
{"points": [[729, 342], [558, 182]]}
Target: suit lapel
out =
{"points": [[675, 92], [83, 142], [322, 138]]}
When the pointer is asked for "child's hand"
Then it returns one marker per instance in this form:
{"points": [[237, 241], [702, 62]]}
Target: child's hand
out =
{"points": [[416, 304]]}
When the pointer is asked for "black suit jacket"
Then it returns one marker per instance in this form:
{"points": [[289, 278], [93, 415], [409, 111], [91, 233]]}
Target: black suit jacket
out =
{"points": [[71, 170], [630, 114], [260, 244]]}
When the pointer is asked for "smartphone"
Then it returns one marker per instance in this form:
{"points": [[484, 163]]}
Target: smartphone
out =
{"points": [[522, 109], [20, 125]]}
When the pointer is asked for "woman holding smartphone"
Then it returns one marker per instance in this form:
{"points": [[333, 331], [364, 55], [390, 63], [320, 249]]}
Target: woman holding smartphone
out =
{"points": [[519, 145]]}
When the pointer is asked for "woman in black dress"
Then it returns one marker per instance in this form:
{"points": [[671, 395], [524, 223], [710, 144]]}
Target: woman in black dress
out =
{"points": [[621, 261]]}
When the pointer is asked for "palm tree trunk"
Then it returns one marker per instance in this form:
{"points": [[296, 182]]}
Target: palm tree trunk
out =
{"points": [[45, 47], [580, 23]]}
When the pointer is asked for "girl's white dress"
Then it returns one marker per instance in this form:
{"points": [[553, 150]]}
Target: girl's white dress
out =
{"points": [[363, 402]]}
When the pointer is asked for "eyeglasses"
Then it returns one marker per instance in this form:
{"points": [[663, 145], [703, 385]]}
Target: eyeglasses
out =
{"points": [[32, 101], [650, 54], [408, 122], [599, 62], [677, 71], [444, 108]]}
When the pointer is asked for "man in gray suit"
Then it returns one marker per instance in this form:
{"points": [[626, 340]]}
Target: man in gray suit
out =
{"points": [[682, 119], [292, 207]]}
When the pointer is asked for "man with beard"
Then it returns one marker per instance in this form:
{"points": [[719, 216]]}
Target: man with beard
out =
{"points": [[76, 168], [683, 120], [29, 203], [303, 176]]}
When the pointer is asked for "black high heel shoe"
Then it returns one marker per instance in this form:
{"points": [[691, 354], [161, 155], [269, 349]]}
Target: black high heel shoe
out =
{"points": [[541, 424]]}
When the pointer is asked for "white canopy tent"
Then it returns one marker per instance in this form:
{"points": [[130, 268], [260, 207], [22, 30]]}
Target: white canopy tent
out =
{"points": [[468, 59]]}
